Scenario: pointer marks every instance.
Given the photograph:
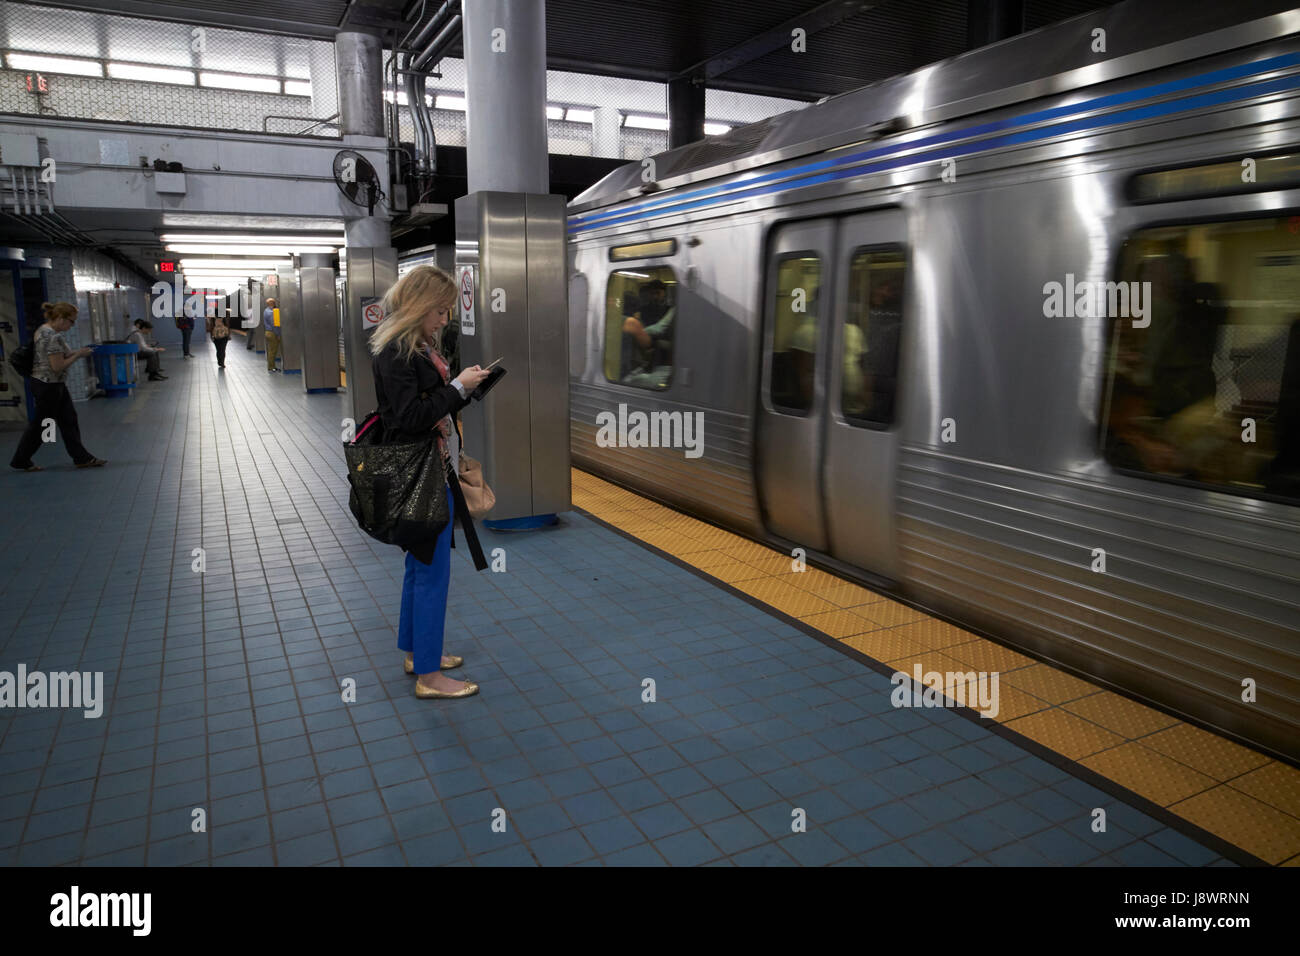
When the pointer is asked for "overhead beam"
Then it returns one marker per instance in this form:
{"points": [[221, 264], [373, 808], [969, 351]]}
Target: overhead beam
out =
{"points": [[779, 37]]}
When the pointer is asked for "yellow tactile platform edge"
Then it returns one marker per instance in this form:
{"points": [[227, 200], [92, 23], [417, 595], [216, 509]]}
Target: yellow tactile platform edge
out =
{"points": [[1241, 796]]}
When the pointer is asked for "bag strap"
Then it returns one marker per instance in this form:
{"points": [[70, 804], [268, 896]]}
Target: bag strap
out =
{"points": [[466, 522]]}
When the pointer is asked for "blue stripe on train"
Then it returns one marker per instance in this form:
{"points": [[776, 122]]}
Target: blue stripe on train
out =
{"points": [[750, 188]]}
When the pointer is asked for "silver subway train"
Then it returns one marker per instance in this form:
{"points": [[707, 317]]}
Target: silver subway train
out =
{"points": [[1015, 336]]}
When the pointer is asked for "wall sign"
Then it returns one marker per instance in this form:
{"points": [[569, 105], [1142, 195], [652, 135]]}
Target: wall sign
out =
{"points": [[372, 311], [465, 279]]}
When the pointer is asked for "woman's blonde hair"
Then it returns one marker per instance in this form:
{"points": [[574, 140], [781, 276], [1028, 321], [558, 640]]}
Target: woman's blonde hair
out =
{"points": [[53, 311], [405, 308]]}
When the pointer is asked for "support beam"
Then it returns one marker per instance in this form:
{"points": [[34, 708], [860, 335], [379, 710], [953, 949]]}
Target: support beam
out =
{"points": [[505, 65], [781, 36], [685, 112], [988, 21]]}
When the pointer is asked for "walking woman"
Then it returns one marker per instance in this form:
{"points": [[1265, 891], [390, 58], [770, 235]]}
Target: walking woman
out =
{"points": [[220, 333], [51, 360], [415, 399]]}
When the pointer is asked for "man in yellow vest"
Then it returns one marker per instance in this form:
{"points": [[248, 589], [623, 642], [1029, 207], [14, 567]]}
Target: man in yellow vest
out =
{"points": [[271, 323]]}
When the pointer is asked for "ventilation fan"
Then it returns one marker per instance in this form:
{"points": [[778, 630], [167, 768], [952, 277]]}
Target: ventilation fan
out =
{"points": [[357, 179]]}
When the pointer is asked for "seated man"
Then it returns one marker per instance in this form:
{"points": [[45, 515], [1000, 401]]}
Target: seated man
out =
{"points": [[650, 329], [150, 352]]}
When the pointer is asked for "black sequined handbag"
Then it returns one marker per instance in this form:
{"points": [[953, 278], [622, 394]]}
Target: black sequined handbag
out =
{"points": [[399, 489]]}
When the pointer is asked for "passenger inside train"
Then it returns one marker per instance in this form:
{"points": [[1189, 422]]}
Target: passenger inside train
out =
{"points": [[1203, 393], [648, 314]]}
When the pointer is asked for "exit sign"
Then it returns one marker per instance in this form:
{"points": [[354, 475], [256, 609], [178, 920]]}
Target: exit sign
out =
{"points": [[166, 267], [37, 83]]}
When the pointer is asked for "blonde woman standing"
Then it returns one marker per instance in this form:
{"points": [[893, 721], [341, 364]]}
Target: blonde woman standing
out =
{"points": [[51, 360], [415, 398]]}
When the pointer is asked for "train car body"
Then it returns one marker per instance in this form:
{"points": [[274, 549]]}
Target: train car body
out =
{"points": [[1023, 466]]}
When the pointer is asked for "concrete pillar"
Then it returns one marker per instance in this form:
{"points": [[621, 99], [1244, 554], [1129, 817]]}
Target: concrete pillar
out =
{"points": [[359, 58], [685, 112], [505, 58], [605, 133]]}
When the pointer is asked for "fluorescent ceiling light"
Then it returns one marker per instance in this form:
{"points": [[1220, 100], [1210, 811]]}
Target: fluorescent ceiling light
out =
{"points": [[580, 116], [450, 102], [206, 249], [270, 239], [243, 222], [236, 81], [297, 87], [402, 98], [555, 112], [55, 64], [716, 129], [150, 74], [637, 121], [210, 266]]}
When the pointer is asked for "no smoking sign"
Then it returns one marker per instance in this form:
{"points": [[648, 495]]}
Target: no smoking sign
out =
{"points": [[372, 312], [466, 300]]}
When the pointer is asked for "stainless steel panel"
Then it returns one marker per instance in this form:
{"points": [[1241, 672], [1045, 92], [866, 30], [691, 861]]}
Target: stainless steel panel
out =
{"points": [[790, 444], [520, 430], [548, 353], [860, 463], [320, 327], [291, 322], [371, 273]]}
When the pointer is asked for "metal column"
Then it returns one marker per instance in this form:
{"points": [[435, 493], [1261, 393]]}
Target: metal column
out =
{"points": [[291, 325], [371, 273], [511, 262], [685, 112], [319, 311], [505, 62], [370, 261]]}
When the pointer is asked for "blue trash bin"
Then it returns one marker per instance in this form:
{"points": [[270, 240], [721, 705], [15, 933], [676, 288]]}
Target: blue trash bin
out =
{"points": [[115, 368]]}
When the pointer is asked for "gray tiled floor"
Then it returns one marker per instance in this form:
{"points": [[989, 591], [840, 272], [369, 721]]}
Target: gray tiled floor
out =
{"points": [[224, 686]]}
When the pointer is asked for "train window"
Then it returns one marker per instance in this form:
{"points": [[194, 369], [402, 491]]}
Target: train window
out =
{"points": [[872, 324], [1217, 179], [794, 333], [640, 325], [1204, 384]]}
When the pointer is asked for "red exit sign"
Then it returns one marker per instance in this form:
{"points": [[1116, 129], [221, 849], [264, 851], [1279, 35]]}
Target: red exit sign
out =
{"points": [[166, 267], [37, 83]]}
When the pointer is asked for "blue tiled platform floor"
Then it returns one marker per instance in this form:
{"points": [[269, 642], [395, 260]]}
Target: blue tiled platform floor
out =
{"points": [[224, 685]]}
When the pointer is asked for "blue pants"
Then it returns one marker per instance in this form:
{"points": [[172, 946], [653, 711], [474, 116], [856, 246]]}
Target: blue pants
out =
{"points": [[424, 602]]}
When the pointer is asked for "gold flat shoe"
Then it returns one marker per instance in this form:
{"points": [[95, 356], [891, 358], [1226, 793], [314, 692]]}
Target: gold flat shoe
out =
{"points": [[408, 665], [428, 693]]}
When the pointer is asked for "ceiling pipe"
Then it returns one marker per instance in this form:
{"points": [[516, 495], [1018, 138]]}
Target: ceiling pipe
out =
{"points": [[435, 23], [440, 44]]}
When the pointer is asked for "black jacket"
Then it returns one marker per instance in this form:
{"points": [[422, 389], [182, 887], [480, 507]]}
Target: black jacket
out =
{"points": [[412, 395]]}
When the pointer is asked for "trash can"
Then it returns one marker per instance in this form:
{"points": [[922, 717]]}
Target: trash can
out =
{"points": [[115, 368]]}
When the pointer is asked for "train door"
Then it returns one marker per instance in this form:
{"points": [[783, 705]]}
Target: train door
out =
{"points": [[860, 458], [827, 454], [793, 383]]}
